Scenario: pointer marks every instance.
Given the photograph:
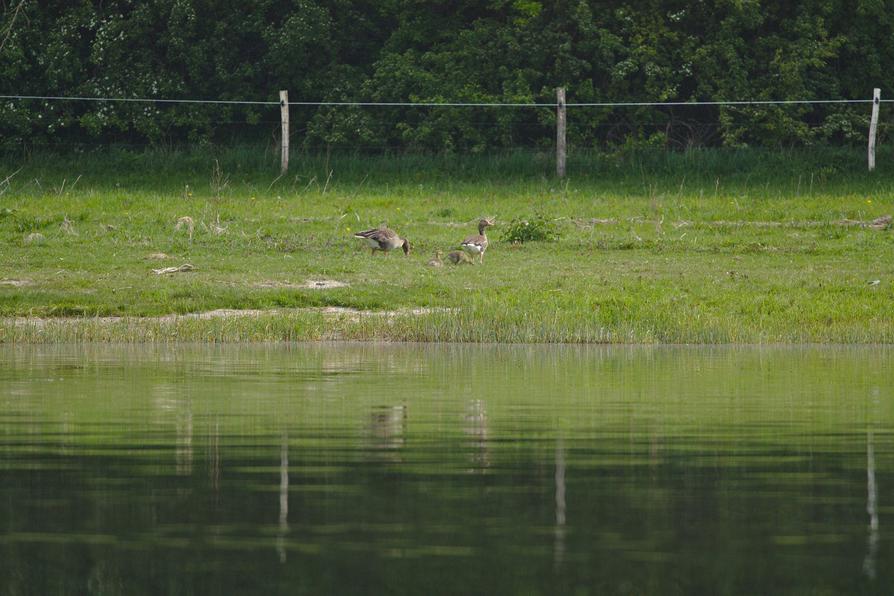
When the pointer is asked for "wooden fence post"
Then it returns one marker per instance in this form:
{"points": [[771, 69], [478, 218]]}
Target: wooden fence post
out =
{"points": [[873, 126], [560, 132], [284, 112]]}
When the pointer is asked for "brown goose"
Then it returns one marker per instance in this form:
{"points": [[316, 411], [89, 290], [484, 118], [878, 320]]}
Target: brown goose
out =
{"points": [[436, 260], [459, 258], [477, 244], [383, 239]]}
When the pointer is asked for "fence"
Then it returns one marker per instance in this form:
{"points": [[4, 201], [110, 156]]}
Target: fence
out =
{"points": [[560, 105]]}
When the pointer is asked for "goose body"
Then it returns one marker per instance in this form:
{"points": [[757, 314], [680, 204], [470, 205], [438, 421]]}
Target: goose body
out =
{"points": [[383, 239], [477, 244], [436, 260], [459, 258]]}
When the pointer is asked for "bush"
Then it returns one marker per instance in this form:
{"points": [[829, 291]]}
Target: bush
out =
{"points": [[536, 229]]}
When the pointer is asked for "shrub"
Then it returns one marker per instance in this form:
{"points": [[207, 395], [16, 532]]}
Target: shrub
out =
{"points": [[536, 229]]}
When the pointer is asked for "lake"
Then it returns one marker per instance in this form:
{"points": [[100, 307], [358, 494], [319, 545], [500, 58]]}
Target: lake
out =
{"points": [[428, 469]]}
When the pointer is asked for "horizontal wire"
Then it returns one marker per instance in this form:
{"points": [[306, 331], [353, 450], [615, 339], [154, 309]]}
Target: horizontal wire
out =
{"points": [[141, 100], [410, 104], [601, 104], [606, 104], [756, 102]]}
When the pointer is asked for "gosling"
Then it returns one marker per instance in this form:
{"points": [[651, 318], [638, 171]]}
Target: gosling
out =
{"points": [[459, 258]]}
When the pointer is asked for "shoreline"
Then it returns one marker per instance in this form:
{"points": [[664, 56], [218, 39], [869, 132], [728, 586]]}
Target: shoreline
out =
{"points": [[345, 325]]}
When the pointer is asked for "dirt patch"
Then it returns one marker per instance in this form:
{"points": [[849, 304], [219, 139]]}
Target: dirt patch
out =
{"points": [[276, 285], [880, 223], [228, 313], [220, 313], [593, 221], [356, 314], [184, 268], [16, 283], [310, 284], [323, 284]]}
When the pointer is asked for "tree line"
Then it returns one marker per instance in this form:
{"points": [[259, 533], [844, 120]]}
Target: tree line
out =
{"points": [[497, 51]]}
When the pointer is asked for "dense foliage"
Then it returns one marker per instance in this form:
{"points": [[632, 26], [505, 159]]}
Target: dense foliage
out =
{"points": [[540, 228], [442, 50]]}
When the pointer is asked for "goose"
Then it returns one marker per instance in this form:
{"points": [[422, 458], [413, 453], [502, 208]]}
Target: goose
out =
{"points": [[383, 239], [459, 258], [436, 260], [477, 244]]}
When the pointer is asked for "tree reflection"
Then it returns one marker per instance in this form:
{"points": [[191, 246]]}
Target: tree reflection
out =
{"points": [[869, 562]]}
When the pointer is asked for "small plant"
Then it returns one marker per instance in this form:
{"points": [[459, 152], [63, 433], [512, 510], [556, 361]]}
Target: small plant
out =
{"points": [[185, 222], [219, 181], [67, 226], [215, 227], [536, 229], [33, 224], [445, 212]]}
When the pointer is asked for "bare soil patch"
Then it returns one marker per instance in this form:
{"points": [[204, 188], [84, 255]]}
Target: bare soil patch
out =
{"points": [[310, 284], [227, 313]]}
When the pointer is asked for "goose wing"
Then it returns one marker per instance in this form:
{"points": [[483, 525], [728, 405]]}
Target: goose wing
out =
{"points": [[477, 241], [381, 236], [378, 234]]}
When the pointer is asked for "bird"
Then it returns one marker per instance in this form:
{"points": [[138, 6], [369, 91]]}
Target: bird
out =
{"points": [[383, 239], [436, 260], [459, 258], [477, 244]]}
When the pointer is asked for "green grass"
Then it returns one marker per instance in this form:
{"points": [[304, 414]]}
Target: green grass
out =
{"points": [[709, 246]]}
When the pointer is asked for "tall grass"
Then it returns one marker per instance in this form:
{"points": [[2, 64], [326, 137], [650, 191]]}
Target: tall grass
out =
{"points": [[794, 169]]}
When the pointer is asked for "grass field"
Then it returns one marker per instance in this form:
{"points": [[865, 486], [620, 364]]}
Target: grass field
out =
{"points": [[714, 246]]}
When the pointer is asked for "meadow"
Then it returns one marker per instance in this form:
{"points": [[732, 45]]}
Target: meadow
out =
{"points": [[703, 246]]}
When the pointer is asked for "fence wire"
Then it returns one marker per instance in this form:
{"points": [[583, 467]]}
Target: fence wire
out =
{"points": [[457, 104]]}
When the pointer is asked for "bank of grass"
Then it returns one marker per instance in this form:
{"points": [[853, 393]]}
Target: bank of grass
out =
{"points": [[713, 246]]}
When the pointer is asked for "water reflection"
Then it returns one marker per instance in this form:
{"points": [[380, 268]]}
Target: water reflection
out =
{"points": [[387, 427], [214, 469], [283, 528], [576, 470], [183, 451], [559, 542], [475, 428], [869, 563]]}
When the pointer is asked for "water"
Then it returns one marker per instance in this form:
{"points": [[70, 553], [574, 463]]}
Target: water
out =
{"points": [[368, 469]]}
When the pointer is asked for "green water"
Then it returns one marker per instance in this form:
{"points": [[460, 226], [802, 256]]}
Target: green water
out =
{"points": [[368, 469]]}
